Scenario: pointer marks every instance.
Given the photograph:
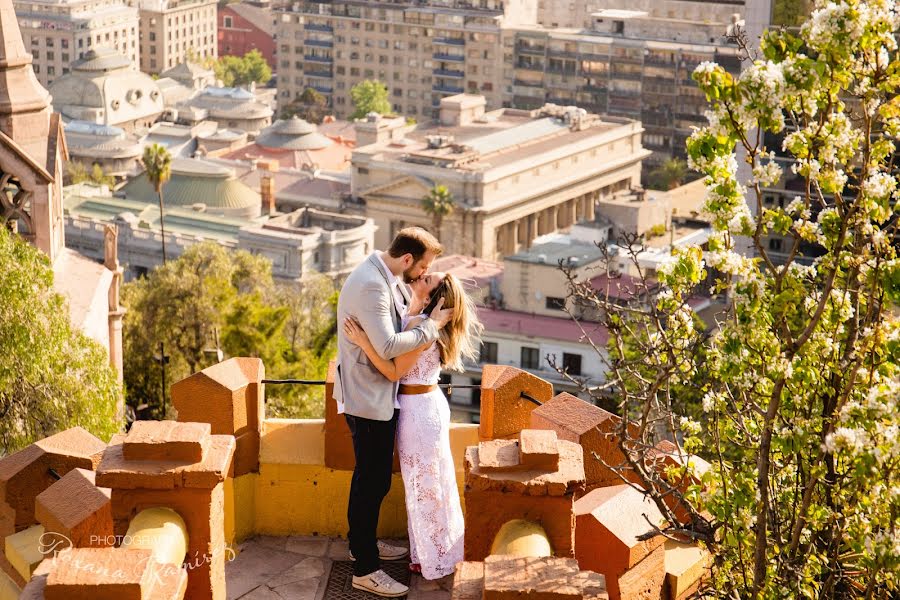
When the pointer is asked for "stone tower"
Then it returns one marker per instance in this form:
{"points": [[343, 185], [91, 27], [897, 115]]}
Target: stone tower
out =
{"points": [[32, 146]]}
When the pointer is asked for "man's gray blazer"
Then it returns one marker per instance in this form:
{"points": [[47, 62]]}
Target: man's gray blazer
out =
{"points": [[366, 295]]}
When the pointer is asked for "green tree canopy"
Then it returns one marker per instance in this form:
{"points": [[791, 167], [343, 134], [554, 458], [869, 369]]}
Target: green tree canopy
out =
{"points": [[369, 96], [77, 172], [798, 383], [668, 175], [243, 70], [310, 106], [438, 203], [213, 299], [52, 376]]}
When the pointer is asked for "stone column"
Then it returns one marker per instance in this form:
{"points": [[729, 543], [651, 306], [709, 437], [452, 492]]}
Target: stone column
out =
{"points": [[591, 203], [558, 217], [532, 229], [181, 466], [513, 236]]}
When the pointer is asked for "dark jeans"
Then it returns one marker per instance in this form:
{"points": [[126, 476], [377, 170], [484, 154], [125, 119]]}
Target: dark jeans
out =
{"points": [[373, 446]]}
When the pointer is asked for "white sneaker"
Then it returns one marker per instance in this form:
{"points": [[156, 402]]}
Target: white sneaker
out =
{"points": [[380, 584], [388, 552]]}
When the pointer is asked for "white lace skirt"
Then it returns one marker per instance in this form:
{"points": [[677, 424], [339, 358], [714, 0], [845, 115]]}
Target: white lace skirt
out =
{"points": [[429, 477]]}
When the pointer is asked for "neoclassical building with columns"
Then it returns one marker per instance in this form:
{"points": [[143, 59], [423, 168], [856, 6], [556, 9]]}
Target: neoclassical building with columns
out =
{"points": [[514, 175]]}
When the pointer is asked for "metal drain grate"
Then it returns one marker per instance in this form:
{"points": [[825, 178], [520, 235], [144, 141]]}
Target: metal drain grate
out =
{"points": [[340, 580]]}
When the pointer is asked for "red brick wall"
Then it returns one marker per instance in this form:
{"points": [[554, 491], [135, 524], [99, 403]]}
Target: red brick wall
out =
{"points": [[243, 36]]}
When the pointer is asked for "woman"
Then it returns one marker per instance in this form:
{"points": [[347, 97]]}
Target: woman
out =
{"points": [[423, 438]]}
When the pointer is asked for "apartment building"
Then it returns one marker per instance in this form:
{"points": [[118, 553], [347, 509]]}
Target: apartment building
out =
{"points": [[513, 174], [56, 33], [631, 59], [422, 51], [174, 31]]}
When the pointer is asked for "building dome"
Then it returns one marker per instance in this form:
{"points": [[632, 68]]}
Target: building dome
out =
{"points": [[293, 134], [104, 88], [196, 181]]}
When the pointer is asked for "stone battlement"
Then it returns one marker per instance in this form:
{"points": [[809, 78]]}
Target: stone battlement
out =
{"points": [[223, 472]]}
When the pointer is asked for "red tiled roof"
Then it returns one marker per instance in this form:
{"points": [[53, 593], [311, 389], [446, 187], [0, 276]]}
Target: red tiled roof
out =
{"points": [[529, 325], [468, 267]]}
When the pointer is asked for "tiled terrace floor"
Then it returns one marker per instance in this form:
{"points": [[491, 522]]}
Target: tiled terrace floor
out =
{"points": [[297, 568]]}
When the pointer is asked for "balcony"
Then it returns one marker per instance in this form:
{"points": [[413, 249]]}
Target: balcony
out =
{"points": [[447, 89], [318, 27], [448, 57], [449, 73], [531, 66], [533, 50], [525, 83], [320, 74], [320, 43], [322, 89], [317, 58], [448, 41]]}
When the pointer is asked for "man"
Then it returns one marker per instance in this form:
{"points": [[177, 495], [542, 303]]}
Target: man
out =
{"points": [[378, 298]]}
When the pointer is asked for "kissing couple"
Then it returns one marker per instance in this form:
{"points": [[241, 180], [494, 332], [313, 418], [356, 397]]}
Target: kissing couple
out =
{"points": [[398, 326]]}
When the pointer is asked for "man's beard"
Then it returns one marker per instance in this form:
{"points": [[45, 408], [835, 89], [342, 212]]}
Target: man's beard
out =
{"points": [[407, 276]]}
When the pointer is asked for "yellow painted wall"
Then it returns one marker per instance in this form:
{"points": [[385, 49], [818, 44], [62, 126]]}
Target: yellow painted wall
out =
{"points": [[8, 588], [295, 494]]}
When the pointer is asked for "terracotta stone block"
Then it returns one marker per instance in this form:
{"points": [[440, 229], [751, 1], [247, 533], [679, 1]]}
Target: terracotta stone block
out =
{"points": [[553, 513], [565, 480], [643, 581], [228, 395], [537, 449], [666, 455], [26, 473], [166, 440], [504, 412], [498, 455], [246, 454], [117, 472], [610, 531], [77, 509], [685, 566], [338, 441], [468, 581], [539, 578], [596, 429], [203, 513], [111, 574]]}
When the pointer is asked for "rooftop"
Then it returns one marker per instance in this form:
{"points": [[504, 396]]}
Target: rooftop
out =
{"points": [[502, 137], [550, 249], [519, 324]]}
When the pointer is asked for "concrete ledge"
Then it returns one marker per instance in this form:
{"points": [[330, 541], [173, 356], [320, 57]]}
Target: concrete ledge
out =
{"points": [[23, 550], [293, 442]]}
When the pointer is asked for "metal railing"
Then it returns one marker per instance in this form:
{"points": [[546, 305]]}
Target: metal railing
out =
{"points": [[447, 386]]}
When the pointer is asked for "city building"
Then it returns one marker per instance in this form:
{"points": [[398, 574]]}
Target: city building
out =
{"points": [[624, 58], [104, 88], [58, 32], [191, 75], [299, 244], [422, 51], [244, 27], [32, 158], [513, 174], [295, 143], [117, 152], [176, 31], [230, 108]]}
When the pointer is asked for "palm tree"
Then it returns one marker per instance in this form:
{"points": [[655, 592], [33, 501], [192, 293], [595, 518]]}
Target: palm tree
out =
{"points": [[438, 203], [158, 163]]}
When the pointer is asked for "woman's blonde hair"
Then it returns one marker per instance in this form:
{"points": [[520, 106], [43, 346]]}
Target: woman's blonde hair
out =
{"points": [[460, 339]]}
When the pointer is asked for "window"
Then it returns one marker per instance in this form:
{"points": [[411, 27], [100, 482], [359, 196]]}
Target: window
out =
{"points": [[554, 303], [488, 353], [531, 358], [618, 26], [572, 363], [228, 23], [776, 244]]}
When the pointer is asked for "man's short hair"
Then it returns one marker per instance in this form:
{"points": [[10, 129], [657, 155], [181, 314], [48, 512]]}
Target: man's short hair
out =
{"points": [[415, 241]]}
